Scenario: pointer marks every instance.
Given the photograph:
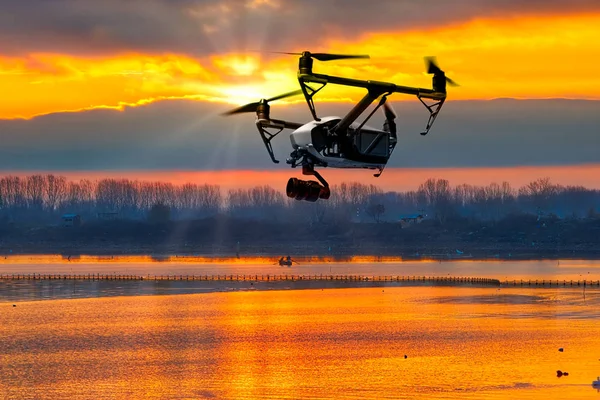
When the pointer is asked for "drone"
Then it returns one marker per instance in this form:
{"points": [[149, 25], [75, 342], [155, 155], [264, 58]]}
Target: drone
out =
{"points": [[340, 142]]}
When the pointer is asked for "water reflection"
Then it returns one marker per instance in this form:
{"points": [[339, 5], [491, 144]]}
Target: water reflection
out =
{"points": [[503, 298], [48, 289], [22, 290], [342, 344], [175, 265]]}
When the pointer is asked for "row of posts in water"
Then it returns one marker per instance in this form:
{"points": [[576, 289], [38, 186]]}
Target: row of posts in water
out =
{"points": [[255, 278], [551, 283], [315, 277]]}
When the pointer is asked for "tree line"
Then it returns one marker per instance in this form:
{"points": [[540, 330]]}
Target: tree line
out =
{"points": [[43, 198]]}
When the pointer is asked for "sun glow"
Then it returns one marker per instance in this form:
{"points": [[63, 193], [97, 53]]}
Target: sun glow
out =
{"points": [[237, 65], [243, 94]]}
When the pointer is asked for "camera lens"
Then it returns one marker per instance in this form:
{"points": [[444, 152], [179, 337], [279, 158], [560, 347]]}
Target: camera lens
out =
{"points": [[306, 190]]}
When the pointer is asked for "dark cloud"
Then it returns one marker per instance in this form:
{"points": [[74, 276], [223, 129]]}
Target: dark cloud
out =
{"points": [[191, 135], [505, 132], [200, 26], [91, 27]]}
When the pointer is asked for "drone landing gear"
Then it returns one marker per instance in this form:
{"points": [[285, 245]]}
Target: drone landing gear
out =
{"points": [[433, 109], [308, 190]]}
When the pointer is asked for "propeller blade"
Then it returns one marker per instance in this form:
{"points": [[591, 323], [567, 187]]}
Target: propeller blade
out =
{"points": [[243, 109], [433, 68], [285, 52], [451, 82], [252, 107], [325, 56], [331, 57], [283, 96]]}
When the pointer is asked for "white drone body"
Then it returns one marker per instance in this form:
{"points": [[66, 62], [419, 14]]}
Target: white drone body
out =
{"points": [[311, 140]]}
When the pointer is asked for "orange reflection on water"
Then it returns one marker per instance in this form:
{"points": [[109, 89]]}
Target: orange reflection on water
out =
{"points": [[347, 343], [145, 259]]}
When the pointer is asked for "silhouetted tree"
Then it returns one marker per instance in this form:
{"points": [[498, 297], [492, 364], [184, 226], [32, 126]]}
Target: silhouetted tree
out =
{"points": [[540, 192], [48, 194], [437, 195], [36, 188], [375, 211], [56, 191]]}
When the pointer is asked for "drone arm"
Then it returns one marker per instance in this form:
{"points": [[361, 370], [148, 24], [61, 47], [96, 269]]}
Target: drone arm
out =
{"points": [[358, 109], [374, 86], [278, 123], [375, 89]]}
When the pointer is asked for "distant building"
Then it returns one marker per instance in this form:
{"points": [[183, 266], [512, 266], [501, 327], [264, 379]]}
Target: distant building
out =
{"points": [[410, 219], [71, 220]]}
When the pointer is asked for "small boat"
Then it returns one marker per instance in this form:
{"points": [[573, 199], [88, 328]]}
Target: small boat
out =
{"points": [[285, 262], [596, 383]]}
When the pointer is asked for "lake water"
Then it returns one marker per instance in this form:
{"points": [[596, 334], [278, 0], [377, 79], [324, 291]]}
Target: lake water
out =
{"points": [[459, 342], [142, 265]]}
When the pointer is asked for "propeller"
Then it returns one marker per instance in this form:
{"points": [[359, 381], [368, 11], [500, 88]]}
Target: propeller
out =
{"points": [[325, 56], [253, 107], [433, 68], [388, 111]]}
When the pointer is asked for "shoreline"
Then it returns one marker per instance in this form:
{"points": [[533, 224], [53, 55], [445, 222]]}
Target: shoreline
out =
{"points": [[147, 255], [519, 239]]}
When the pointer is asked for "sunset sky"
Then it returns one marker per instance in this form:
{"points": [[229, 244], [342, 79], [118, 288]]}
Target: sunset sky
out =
{"points": [[134, 89]]}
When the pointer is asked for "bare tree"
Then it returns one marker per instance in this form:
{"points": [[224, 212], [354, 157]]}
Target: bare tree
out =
{"points": [[135, 198], [107, 196], [375, 211], [210, 196], [12, 190], [437, 194], [74, 196], [540, 192], [56, 191], [265, 196], [237, 199], [147, 196], [200, 198], [36, 187]]}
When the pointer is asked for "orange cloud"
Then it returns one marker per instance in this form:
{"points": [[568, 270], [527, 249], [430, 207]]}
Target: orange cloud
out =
{"points": [[522, 57], [45, 83]]}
